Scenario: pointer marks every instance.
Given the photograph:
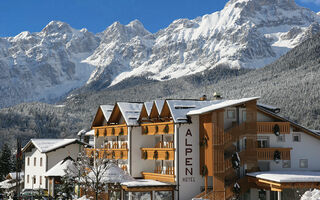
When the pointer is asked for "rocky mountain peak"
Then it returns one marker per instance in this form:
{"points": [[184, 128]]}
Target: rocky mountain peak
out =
{"points": [[57, 27]]}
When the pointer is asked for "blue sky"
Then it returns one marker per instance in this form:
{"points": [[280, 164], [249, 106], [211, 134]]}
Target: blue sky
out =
{"points": [[95, 15]]}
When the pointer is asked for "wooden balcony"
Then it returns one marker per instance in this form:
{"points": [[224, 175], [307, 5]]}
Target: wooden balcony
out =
{"points": [[157, 153], [157, 128], [114, 130], [159, 177], [116, 154], [268, 153], [267, 127]]}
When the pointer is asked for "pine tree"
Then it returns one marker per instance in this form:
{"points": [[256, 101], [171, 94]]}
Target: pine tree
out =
{"points": [[5, 162]]}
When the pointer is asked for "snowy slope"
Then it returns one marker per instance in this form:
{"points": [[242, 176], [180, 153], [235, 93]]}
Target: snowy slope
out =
{"points": [[246, 33], [44, 66]]}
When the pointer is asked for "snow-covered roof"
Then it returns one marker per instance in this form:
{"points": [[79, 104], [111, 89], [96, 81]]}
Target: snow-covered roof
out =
{"points": [[220, 104], [144, 183], [180, 108], [60, 169], [148, 106], [106, 110], [112, 174], [311, 195], [47, 145], [90, 133], [13, 175], [130, 112], [159, 105], [7, 184], [269, 107], [288, 176]]}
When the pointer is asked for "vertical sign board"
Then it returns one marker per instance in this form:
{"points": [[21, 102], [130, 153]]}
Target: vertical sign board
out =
{"points": [[190, 180]]}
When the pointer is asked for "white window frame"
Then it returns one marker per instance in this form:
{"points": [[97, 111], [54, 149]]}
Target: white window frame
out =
{"points": [[281, 138], [294, 135], [286, 164], [231, 117], [264, 138]]}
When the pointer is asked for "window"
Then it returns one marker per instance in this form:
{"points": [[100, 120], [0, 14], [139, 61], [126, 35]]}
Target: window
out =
{"points": [[28, 178], [286, 164], [296, 137], [40, 162], [40, 180], [34, 179], [231, 114], [34, 161], [281, 138], [244, 115], [28, 161], [303, 163], [263, 142]]}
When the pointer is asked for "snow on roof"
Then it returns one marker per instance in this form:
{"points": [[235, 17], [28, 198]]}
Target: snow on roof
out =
{"points": [[180, 108], [7, 184], [222, 104], [60, 169], [144, 183], [13, 175], [47, 145], [130, 112], [106, 110], [269, 107], [113, 174], [159, 105], [148, 106], [288, 176], [89, 133]]}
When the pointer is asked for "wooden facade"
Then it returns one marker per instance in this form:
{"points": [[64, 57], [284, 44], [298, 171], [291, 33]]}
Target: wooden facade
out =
{"points": [[157, 128], [107, 153], [159, 177], [112, 130], [267, 127], [157, 153], [268, 153]]}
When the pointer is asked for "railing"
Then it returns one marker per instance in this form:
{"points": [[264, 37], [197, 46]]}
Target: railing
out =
{"points": [[157, 153], [268, 153], [267, 127], [159, 177], [108, 153], [112, 130], [157, 128]]}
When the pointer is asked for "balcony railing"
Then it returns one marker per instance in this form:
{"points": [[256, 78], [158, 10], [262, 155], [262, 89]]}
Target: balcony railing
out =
{"points": [[267, 127], [108, 153], [157, 153], [112, 130], [268, 153], [157, 128], [159, 177]]}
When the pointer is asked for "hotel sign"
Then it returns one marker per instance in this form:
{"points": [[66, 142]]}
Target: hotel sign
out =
{"points": [[188, 161]]}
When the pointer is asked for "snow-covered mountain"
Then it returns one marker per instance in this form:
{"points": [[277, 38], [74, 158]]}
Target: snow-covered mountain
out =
{"points": [[246, 33], [44, 66]]}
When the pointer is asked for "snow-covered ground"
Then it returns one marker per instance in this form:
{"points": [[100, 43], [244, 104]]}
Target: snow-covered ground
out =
{"points": [[311, 195]]}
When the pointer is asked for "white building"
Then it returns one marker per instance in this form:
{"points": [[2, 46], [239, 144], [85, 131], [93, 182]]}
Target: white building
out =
{"points": [[42, 154], [209, 149]]}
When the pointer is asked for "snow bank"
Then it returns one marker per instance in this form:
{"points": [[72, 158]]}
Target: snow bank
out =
{"points": [[311, 195]]}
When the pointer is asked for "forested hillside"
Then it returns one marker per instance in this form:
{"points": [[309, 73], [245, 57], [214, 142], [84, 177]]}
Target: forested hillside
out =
{"points": [[292, 83]]}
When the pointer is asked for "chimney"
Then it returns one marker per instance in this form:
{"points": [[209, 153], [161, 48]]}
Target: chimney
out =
{"points": [[203, 98], [217, 96]]}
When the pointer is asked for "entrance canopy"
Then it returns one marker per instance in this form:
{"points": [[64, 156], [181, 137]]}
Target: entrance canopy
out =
{"points": [[146, 185], [279, 180]]}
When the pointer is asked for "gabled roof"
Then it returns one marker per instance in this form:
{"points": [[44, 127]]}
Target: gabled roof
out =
{"points": [[159, 105], [129, 111], [148, 106], [221, 104], [179, 108], [48, 145], [294, 124], [60, 169], [103, 113]]}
